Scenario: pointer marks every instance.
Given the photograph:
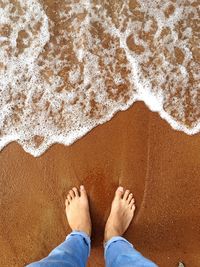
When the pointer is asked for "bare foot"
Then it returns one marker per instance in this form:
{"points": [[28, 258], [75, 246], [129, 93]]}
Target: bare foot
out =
{"points": [[77, 210], [122, 211]]}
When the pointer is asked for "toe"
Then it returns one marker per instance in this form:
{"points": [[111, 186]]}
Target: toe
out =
{"points": [[83, 191], [75, 191], [71, 192], [66, 202], [133, 207], [119, 192], [126, 194], [69, 198], [130, 197], [132, 204]]}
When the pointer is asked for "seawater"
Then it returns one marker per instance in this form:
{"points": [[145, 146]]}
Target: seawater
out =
{"points": [[68, 66]]}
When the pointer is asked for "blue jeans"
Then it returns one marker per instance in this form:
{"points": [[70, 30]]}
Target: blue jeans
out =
{"points": [[75, 250]]}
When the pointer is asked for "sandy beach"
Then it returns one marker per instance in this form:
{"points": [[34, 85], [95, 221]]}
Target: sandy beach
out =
{"points": [[136, 149], [66, 67]]}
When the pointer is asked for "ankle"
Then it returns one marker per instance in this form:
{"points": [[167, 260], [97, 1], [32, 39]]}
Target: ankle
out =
{"points": [[110, 234]]}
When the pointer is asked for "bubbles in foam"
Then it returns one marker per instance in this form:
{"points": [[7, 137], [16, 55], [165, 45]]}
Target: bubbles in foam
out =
{"points": [[68, 66]]}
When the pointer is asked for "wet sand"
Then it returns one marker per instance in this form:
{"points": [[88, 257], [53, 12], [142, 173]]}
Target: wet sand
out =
{"points": [[136, 149]]}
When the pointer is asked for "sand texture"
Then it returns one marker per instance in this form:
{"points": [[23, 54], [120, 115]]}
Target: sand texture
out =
{"points": [[135, 149], [68, 66]]}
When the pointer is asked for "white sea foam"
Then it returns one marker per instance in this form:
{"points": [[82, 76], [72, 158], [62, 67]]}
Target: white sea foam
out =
{"points": [[70, 66]]}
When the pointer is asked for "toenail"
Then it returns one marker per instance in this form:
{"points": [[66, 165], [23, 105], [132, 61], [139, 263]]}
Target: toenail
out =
{"points": [[81, 187], [121, 188]]}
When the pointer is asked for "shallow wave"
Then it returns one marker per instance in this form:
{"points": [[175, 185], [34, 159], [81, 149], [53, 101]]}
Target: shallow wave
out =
{"points": [[68, 66]]}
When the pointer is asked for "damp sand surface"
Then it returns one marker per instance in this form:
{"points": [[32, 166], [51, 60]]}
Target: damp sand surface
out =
{"points": [[160, 165], [68, 66]]}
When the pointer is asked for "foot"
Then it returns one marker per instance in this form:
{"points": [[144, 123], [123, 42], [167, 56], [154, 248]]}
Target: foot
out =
{"points": [[122, 212], [77, 210]]}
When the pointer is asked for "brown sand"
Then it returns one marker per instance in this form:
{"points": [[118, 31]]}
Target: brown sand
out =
{"points": [[136, 149]]}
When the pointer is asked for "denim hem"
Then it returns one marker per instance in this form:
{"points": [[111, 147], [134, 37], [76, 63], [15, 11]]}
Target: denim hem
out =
{"points": [[85, 237], [115, 239]]}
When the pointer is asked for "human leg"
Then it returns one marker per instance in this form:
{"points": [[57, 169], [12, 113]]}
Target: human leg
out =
{"points": [[118, 251], [75, 250]]}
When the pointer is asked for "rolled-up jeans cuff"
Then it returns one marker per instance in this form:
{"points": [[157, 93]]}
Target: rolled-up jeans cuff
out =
{"points": [[112, 240], [84, 236]]}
